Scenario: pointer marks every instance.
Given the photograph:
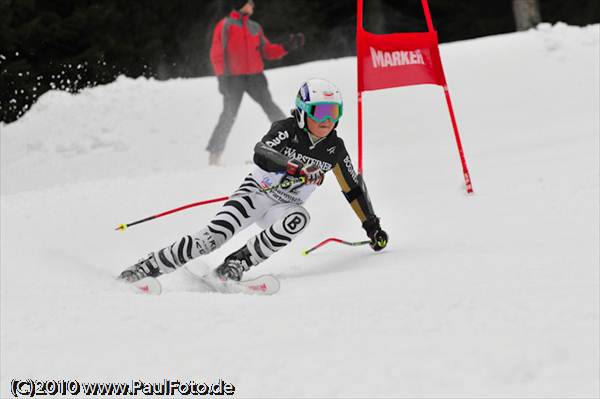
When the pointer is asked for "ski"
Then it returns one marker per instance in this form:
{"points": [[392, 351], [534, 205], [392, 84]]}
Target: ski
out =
{"points": [[147, 285], [263, 285]]}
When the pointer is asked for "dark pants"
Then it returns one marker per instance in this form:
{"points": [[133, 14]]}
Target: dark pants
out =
{"points": [[233, 89]]}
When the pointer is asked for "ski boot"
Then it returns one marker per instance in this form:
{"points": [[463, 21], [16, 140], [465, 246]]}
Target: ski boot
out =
{"points": [[146, 267], [235, 265]]}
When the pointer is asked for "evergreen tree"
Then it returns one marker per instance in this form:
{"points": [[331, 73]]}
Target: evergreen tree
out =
{"points": [[69, 45]]}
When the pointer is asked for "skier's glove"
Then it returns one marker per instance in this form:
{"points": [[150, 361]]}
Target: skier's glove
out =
{"points": [[379, 238], [311, 173], [295, 42]]}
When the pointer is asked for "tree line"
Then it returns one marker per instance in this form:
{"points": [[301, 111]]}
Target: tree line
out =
{"points": [[69, 45]]}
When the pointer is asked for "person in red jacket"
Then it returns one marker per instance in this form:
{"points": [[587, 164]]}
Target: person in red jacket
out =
{"points": [[238, 48]]}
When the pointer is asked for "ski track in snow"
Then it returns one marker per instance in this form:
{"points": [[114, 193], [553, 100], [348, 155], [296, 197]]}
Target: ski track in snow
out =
{"points": [[495, 294]]}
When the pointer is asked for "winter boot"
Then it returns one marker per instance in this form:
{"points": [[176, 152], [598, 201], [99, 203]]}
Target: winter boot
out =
{"points": [[146, 267], [235, 265]]}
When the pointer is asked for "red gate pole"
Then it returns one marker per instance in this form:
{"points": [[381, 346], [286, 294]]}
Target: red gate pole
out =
{"points": [[463, 161], [359, 28], [461, 153], [360, 134]]}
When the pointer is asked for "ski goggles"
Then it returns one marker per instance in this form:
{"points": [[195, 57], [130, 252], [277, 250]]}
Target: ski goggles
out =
{"points": [[322, 111]]}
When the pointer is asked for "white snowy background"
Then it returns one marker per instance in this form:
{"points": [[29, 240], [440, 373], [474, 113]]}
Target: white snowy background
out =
{"points": [[494, 294]]}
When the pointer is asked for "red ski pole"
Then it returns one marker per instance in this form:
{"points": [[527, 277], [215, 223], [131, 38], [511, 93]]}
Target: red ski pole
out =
{"points": [[122, 227], [285, 184], [333, 239]]}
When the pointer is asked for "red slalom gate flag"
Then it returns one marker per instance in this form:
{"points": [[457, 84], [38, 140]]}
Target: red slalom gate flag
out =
{"points": [[401, 59], [398, 59]]}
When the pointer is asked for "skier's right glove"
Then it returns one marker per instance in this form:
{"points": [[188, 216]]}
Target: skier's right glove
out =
{"points": [[379, 238], [311, 173]]}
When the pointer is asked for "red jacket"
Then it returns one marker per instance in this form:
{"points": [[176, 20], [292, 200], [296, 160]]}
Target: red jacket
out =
{"points": [[239, 45]]}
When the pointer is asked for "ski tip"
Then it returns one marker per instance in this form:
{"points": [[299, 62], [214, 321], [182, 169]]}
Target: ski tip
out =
{"points": [[263, 285], [121, 227], [147, 286], [304, 253]]}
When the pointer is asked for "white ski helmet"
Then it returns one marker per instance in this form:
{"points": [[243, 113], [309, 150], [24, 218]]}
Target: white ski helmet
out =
{"points": [[320, 100]]}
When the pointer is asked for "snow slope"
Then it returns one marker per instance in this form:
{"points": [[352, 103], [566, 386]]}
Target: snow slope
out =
{"points": [[495, 294]]}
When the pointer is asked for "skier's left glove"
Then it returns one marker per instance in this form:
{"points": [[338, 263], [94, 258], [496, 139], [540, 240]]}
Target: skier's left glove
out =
{"points": [[379, 238]]}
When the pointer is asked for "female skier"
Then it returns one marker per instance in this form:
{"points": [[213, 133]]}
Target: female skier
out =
{"points": [[299, 149]]}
